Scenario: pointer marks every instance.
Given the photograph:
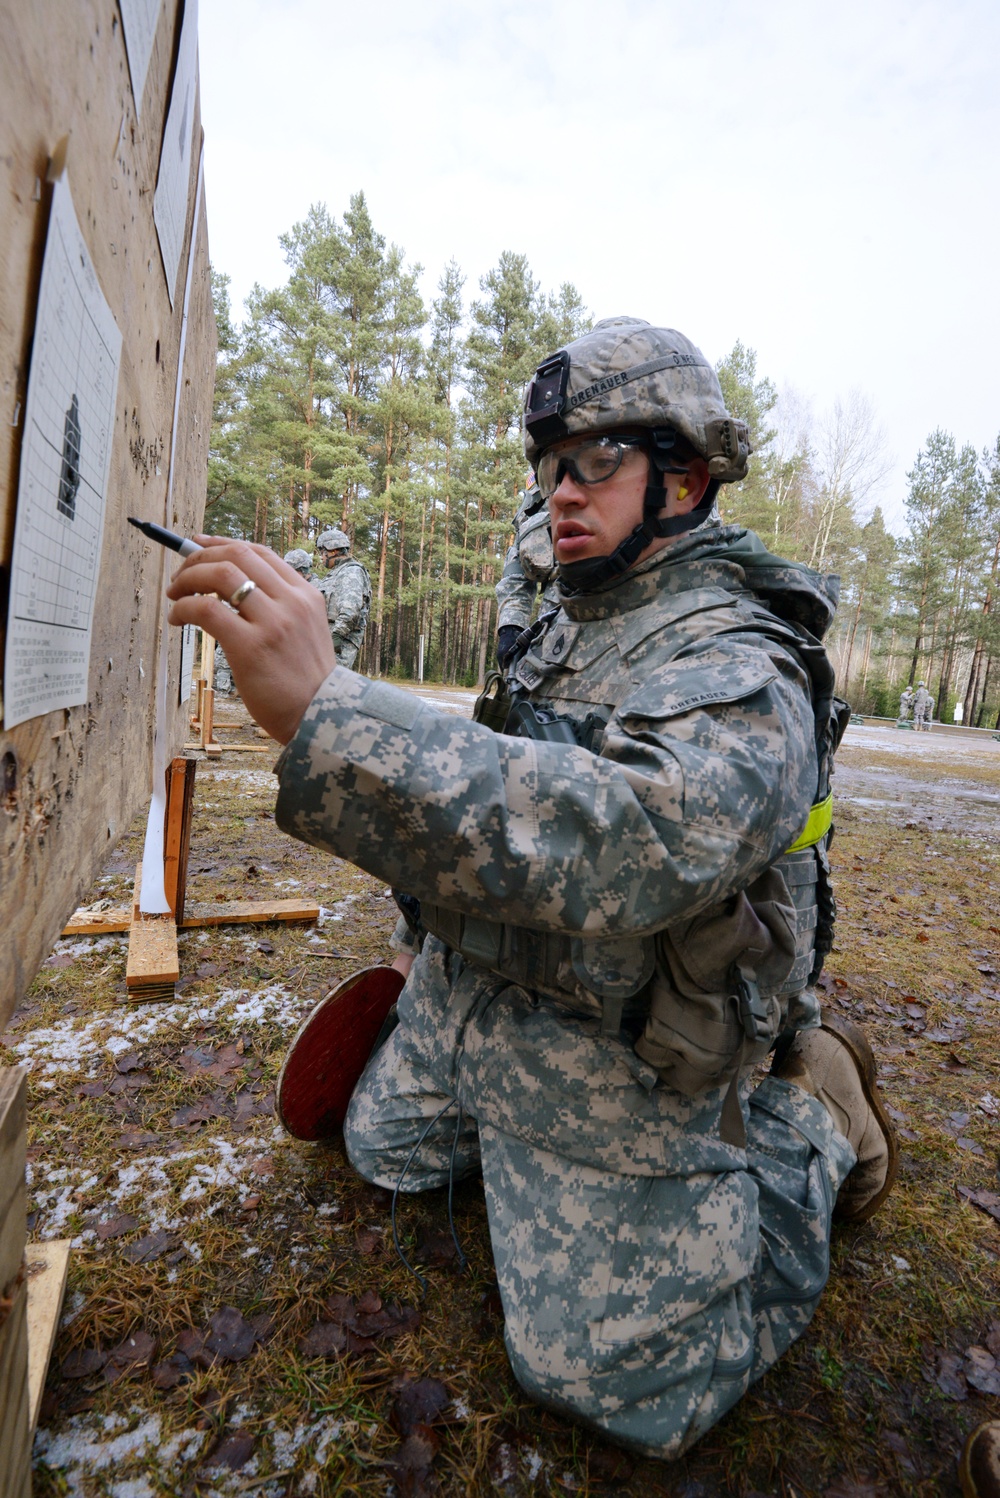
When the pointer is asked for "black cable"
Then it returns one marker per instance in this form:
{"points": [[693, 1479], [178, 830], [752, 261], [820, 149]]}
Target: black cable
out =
{"points": [[462, 1260], [395, 1195]]}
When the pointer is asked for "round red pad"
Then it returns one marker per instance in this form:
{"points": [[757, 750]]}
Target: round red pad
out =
{"points": [[330, 1050]]}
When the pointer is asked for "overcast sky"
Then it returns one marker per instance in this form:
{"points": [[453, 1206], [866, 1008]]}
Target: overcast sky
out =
{"points": [[817, 180]]}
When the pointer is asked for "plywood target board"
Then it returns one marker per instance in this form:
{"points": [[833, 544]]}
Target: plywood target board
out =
{"points": [[90, 337]]}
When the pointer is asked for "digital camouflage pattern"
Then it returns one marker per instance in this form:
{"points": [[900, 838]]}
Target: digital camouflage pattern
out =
{"points": [[905, 704], [347, 589], [529, 567], [648, 1272], [302, 562], [606, 392], [222, 676], [649, 1269], [333, 539], [923, 704]]}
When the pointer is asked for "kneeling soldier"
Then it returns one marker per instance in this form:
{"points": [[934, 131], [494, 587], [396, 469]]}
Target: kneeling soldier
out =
{"points": [[624, 903]]}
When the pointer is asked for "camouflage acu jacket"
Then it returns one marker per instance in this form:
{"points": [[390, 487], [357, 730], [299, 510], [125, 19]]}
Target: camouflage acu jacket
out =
{"points": [[347, 589], [529, 565], [632, 875]]}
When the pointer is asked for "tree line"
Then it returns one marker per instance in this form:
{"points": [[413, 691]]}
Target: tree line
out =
{"points": [[343, 399]]}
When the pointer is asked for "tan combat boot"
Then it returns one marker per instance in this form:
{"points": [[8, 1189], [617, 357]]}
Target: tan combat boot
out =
{"points": [[835, 1064], [979, 1470]]}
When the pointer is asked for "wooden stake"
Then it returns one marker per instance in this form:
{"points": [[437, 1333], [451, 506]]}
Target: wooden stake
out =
{"points": [[177, 831], [208, 740], [208, 659]]}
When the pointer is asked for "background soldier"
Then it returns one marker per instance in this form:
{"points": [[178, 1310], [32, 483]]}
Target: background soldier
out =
{"points": [[905, 704], [623, 906], [302, 562], [222, 677], [923, 703], [528, 568], [347, 589]]}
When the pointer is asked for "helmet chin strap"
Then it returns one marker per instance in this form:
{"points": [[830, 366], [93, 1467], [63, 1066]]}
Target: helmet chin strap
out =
{"points": [[593, 572]]}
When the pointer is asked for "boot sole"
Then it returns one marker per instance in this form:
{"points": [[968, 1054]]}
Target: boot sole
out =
{"points": [[863, 1057]]}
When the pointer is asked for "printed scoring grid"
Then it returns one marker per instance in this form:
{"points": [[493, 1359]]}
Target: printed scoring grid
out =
{"points": [[58, 563]]}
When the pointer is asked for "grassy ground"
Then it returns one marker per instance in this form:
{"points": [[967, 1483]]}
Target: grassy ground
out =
{"points": [[153, 1145]]}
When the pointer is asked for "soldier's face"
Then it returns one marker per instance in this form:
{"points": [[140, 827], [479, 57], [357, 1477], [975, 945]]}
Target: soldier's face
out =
{"points": [[590, 520]]}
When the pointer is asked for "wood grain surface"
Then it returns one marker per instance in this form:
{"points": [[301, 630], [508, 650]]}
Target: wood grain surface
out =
{"points": [[73, 780]]}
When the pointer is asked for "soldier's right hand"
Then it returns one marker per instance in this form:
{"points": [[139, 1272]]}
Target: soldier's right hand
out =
{"points": [[277, 642]]}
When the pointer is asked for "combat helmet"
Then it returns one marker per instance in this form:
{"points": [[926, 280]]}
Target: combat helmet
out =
{"points": [[627, 374], [300, 560], [333, 540]]}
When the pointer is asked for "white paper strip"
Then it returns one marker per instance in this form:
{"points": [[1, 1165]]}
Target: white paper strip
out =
{"points": [[153, 899], [174, 178], [139, 18]]}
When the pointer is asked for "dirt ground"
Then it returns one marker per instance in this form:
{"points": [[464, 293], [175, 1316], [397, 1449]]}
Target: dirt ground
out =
{"points": [[211, 1251]]}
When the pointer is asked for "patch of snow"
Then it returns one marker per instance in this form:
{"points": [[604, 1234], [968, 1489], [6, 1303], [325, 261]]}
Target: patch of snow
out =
{"points": [[534, 1464], [69, 1047]]}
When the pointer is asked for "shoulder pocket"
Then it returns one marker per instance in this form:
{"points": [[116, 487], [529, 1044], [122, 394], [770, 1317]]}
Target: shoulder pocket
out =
{"points": [[710, 679]]}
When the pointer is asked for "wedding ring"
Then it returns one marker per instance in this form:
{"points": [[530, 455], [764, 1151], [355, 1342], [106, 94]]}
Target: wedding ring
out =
{"points": [[242, 592]]}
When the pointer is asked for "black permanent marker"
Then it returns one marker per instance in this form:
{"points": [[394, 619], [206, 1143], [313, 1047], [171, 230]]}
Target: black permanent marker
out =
{"points": [[166, 538]]}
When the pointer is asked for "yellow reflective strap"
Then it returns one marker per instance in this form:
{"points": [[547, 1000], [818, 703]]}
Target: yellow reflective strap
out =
{"points": [[818, 824]]}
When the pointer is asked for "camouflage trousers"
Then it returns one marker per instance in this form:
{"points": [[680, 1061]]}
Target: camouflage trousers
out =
{"points": [[345, 651], [649, 1273]]}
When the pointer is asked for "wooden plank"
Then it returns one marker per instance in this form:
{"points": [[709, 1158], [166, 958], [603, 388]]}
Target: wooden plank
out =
{"points": [[47, 1266], [152, 952], [248, 912], [14, 1226], [15, 1430], [177, 831], [13, 1123], [201, 913], [100, 923], [220, 748], [152, 962], [73, 780]]}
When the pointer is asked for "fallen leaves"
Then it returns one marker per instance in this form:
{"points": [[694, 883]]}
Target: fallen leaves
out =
{"points": [[206, 1061], [83, 1362], [417, 1401], [145, 1250], [130, 1357], [357, 1326], [137, 1139], [227, 1337], [177, 1369], [978, 1368], [986, 1201], [232, 1452], [116, 1227]]}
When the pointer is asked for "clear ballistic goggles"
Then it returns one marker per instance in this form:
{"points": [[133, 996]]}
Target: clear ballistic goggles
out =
{"points": [[588, 463]]}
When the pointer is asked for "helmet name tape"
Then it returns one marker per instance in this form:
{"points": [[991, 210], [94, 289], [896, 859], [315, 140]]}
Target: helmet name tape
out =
{"points": [[673, 360]]}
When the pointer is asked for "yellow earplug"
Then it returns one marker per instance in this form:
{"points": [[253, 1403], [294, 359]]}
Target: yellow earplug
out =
{"points": [[682, 492]]}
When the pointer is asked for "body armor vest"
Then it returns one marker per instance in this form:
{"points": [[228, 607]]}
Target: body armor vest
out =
{"points": [[714, 991]]}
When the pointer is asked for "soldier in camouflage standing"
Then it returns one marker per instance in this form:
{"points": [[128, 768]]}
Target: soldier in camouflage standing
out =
{"points": [[923, 704], [624, 903], [905, 704], [529, 567], [347, 589]]}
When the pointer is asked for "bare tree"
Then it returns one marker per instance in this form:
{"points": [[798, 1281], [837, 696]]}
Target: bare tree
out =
{"points": [[852, 460]]}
